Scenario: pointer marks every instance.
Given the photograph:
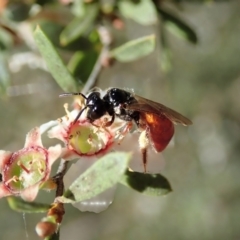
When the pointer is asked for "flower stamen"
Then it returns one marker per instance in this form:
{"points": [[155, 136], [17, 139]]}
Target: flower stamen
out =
{"points": [[66, 109], [13, 179], [60, 120], [90, 137], [23, 167], [40, 170]]}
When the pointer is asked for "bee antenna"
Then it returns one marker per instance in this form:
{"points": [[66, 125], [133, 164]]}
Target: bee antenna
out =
{"points": [[79, 114], [71, 94]]}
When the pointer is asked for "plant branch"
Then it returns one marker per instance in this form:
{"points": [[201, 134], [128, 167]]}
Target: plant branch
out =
{"points": [[106, 41]]}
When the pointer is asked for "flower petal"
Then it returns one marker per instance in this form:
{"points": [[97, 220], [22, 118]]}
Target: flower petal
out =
{"points": [[53, 154], [69, 154], [30, 193], [44, 127], [4, 157], [33, 138], [58, 132], [4, 191]]}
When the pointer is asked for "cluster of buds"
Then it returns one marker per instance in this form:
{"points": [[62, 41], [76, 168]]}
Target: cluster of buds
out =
{"points": [[26, 171]]}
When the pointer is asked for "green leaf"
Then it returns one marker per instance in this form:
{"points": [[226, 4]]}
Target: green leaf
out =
{"points": [[54, 63], [4, 74], [147, 184], [165, 58], [108, 6], [17, 204], [79, 25], [51, 29], [178, 27], [105, 173], [78, 8], [6, 39], [143, 11], [165, 53], [81, 64], [18, 10], [134, 49]]}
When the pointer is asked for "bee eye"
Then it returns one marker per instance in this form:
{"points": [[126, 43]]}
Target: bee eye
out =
{"points": [[94, 115], [93, 98], [96, 111]]}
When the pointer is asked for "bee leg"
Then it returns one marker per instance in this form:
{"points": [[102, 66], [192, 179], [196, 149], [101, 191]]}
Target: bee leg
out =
{"points": [[143, 144], [109, 123], [144, 158], [101, 127], [95, 125], [124, 132]]}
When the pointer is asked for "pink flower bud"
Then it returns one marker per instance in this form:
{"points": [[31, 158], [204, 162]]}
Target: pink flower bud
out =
{"points": [[45, 229]]}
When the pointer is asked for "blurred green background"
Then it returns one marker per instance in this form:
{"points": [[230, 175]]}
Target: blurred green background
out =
{"points": [[203, 163]]}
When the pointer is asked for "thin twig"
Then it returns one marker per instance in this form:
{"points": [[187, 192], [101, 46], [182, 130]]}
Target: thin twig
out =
{"points": [[58, 178], [106, 41], [57, 208]]}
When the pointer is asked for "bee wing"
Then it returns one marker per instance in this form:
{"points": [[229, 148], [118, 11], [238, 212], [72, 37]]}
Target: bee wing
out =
{"points": [[148, 106]]}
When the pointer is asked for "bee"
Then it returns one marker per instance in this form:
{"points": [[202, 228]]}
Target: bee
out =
{"points": [[154, 120]]}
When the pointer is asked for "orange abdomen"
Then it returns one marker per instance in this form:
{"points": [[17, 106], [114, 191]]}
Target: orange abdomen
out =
{"points": [[159, 129]]}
